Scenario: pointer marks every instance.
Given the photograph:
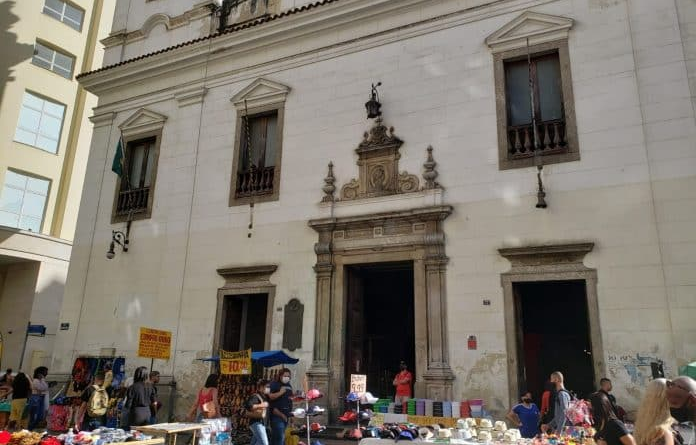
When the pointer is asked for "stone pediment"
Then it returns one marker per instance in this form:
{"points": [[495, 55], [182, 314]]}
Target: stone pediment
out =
{"points": [[530, 27], [378, 169], [260, 92], [142, 121]]}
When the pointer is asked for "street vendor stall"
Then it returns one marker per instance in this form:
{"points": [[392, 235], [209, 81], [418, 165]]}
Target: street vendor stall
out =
{"points": [[169, 431]]}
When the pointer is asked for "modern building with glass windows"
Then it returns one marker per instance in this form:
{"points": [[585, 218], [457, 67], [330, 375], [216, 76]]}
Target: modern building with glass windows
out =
{"points": [[43, 157]]}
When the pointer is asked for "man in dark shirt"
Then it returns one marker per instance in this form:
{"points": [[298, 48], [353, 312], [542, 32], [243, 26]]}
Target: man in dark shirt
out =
{"points": [[281, 406], [90, 423], [605, 387]]}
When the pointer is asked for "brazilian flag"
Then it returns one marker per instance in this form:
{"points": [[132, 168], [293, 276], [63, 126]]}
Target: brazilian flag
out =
{"points": [[117, 165]]}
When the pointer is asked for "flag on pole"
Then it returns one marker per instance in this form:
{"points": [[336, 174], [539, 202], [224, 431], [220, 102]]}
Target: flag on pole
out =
{"points": [[117, 165]]}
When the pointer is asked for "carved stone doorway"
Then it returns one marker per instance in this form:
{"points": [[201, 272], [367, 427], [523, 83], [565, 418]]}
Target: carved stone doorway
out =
{"points": [[546, 264], [414, 236]]}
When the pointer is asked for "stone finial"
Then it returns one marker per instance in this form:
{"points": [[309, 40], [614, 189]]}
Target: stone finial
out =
{"points": [[329, 187], [430, 173]]}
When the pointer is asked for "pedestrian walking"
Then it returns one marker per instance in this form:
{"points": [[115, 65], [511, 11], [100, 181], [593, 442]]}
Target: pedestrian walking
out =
{"points": [[256, 407], [95, 403], [281, 406], [139, 399], [681, 394], [21, 390], [610, 430], [153, 380], [38, 401], [560, 406], [206, 404]]}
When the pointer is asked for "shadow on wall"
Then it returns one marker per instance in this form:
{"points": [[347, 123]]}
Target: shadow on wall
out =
{"points": [[11, 52]]}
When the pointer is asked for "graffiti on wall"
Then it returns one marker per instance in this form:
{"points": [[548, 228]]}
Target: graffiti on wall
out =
{"points": [[637, 367]]}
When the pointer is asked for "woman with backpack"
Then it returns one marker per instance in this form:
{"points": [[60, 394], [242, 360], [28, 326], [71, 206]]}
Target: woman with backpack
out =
{"points": [[38, 402], [255, 410], [139, 398], [206, 404]]}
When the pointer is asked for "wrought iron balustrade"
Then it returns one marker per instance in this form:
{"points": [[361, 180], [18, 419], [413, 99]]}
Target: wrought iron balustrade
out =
{"points": [[132, 201]]}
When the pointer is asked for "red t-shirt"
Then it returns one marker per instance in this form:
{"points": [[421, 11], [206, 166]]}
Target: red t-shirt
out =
{"points": [[403, 389]]}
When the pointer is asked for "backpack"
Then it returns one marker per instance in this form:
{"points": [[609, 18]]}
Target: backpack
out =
{"points": [[98, 402]]}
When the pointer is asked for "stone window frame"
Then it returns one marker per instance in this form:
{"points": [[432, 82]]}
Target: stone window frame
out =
{"points": [[261, 97], [510, 43], [144, 124], [245, 280]]}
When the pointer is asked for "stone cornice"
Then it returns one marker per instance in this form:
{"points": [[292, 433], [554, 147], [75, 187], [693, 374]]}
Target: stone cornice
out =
{"points": [[286, 30], [550, 254], [422, 214]]}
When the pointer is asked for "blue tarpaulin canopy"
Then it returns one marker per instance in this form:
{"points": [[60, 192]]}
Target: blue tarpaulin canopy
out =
{"points": [[266, 359]]}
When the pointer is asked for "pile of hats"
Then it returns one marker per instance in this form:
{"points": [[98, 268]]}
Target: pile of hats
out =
{"points": [[314, 429], [466, 429], [368, 399], [485, 430]]}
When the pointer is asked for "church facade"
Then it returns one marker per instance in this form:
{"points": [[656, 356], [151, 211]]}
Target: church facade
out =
{"points": [[487, 190]]}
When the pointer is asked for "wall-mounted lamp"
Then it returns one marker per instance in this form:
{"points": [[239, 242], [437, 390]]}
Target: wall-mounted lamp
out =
{"points": [[541, 194], [373, 106], [120, 238]]}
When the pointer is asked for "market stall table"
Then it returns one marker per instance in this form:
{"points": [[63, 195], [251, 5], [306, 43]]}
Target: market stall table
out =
{"points": [[171, 430], [153, 441]]}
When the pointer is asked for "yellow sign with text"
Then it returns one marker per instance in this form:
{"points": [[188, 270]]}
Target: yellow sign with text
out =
{"points": [[155, 343], [235, 363]]}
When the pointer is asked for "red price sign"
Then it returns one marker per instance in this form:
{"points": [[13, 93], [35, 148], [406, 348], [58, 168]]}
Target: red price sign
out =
{"points": [[235, 363]]}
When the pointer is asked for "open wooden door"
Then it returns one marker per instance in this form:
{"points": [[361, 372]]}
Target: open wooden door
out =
{"points": [[355, 323]]}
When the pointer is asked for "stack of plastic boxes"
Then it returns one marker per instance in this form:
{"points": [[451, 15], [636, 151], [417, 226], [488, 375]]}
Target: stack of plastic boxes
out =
{"points": [[476, 406], [420, 407], [428, 407], [411, 407], [455, 409]]}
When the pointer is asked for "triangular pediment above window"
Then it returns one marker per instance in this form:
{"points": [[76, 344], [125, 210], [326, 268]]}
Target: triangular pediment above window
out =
{"points": [[142, 121], [530, 28], [260, 92]]}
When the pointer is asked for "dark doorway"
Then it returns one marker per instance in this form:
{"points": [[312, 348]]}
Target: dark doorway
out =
{"points": [[380, 323], [553, 334], [244, 322]]}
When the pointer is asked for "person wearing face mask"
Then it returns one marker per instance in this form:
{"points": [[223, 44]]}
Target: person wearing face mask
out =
{"points": [[525, 416], [681, 395], [402, 382], [281, 406], [256, 406]]}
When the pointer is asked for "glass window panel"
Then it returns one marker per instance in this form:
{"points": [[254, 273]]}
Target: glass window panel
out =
{"points": [[41, 63], [271, 140], [550, 96], [54, 109], [25, 137], [150, 165], [517, 93], [11, 200], [32, 101], [136, 166], [46, 144], [33, 205], [37, 185], [258, 139], [64, 61], [13, 179], [43, 51], [9, 219], [29, 119], [73, 14], [51, 13], [30, 223], [50, 127], [63, 72], [55, 5]]}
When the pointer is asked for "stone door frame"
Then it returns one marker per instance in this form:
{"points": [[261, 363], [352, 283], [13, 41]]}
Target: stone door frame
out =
{"points": [[563, 262], [414, 236]]}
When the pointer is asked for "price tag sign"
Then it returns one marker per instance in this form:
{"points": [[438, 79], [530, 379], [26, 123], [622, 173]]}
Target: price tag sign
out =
{"points": [[235, 363], [358, 383], [154, 343]]}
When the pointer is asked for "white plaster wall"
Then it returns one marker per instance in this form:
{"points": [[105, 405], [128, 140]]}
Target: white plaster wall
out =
{"points": [[16, 303], [631, 194]]}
